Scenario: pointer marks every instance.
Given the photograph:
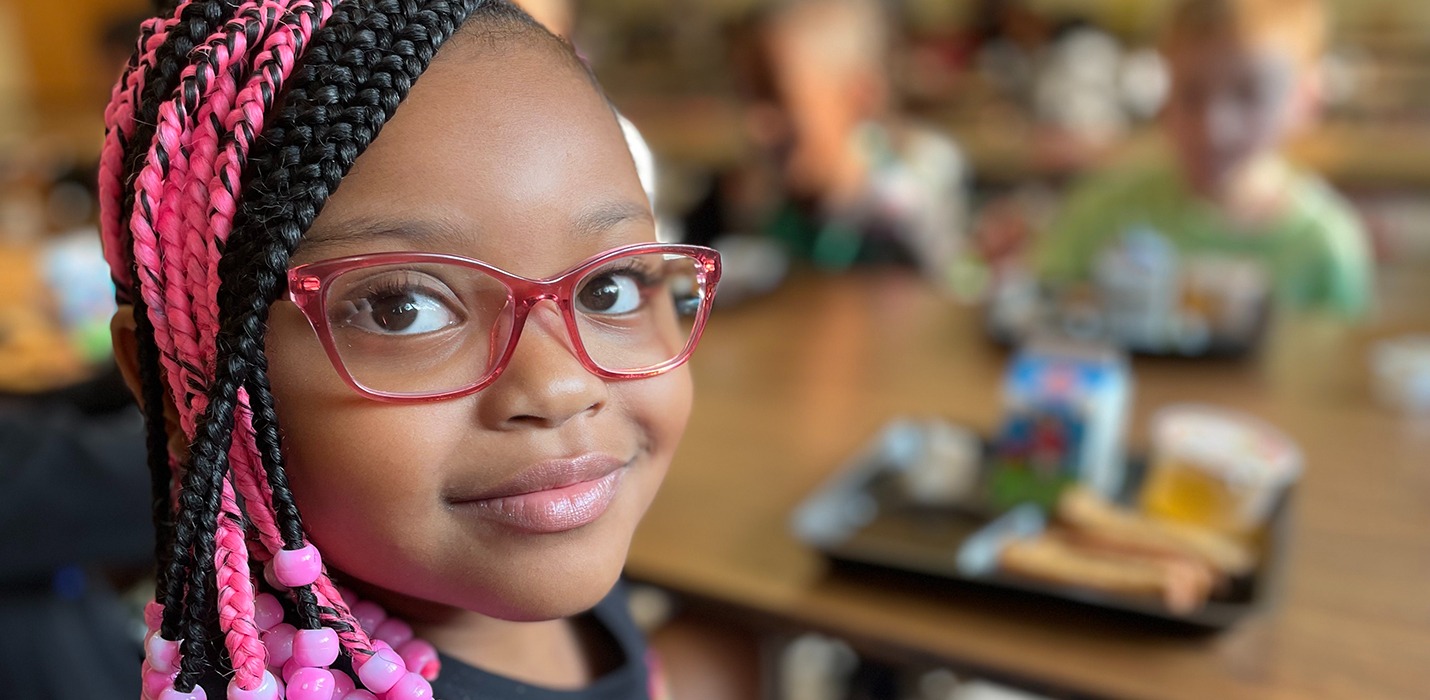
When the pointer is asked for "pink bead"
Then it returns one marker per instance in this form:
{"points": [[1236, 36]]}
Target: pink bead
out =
{"points": [[311, 684], [342, 684], [382, 671], [267, 689], [162, 654], [291, 668], [410, 687], [267, 611], [271, 576], [173, 694], [317, 647], [359, 694], [156, 682], [297, 567], [349, 598], [394, 632], [369, 615], [360, 658], [419, 657], [153, 614], [279, 642]]}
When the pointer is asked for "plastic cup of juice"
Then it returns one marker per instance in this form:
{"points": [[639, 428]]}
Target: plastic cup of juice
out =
{"points": [[1217, 468]]}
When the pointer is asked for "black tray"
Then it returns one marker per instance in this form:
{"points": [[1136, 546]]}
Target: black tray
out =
{"points": [[861, 516], [1219, 347]]}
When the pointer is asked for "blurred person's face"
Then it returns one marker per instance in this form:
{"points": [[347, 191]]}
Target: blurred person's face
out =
{"points": [[1231, 104], [808, 121]]}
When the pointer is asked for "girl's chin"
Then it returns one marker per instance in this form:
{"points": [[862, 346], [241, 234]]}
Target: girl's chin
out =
{"points": [[541, 600], [539, 603], [526, 598]]}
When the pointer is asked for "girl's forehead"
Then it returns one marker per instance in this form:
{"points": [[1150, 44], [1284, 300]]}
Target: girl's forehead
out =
{"points": [[510, 145]]}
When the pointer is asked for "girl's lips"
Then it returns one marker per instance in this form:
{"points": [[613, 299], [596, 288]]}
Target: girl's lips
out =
{"points": [[553, 510], [552, 497]]}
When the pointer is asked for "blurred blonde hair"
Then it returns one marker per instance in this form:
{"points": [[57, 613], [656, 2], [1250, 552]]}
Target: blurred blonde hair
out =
{"points": [[1299, 26], [844, 35]]}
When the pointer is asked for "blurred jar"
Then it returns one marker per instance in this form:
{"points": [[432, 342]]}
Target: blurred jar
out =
{"points": [[1216, 468]]}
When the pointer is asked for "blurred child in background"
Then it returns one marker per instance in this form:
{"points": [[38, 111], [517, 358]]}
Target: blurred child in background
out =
{"points": [[845, 180], [1244, 80]]}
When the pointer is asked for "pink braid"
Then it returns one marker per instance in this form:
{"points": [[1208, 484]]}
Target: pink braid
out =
{"points": [[247, 472], [156, 220], [236, 596], [191, 191], [119, 126], [354, 641]]}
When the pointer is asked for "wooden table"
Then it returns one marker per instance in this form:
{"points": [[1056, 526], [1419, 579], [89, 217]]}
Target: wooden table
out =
{"points": [[790, 385]]}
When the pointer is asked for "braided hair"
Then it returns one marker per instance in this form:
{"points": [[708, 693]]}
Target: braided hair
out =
{"points": [[232, 124]]}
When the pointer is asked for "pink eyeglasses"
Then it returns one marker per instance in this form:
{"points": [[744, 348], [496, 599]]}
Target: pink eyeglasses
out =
{"points": [[406, 327]]}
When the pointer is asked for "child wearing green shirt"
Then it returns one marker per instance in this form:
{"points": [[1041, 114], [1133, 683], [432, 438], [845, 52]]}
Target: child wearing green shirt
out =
{"points": [[1243, 81]]}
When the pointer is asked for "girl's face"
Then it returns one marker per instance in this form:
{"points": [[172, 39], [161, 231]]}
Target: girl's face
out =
{"points": [[502, 152]]}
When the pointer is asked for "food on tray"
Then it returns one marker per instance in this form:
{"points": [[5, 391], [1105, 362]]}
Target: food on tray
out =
{"points": [[1097, 545], [1182, 584], [1098, 520]]}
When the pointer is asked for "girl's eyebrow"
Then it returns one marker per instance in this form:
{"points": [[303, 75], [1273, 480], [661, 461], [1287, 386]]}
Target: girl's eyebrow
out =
{"points": [[440, 232], [606, 216], [429, 233]]}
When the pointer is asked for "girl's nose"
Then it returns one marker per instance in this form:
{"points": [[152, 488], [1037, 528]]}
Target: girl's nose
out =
{"points": [[544, 385]]}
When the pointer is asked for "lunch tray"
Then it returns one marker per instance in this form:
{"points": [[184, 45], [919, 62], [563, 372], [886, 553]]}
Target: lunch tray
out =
{"points": [[862, 516]]}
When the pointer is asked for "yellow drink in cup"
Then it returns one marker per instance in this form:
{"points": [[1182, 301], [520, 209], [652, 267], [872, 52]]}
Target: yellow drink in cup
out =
{"points": [[1217, 469]]}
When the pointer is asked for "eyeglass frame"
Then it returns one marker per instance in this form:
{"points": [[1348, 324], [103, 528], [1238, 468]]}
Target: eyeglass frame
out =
{"points": [[308, 285]]}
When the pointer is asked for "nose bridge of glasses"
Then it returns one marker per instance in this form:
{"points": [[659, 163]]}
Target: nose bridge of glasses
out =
{"points": [[533, 298], [552, 323]]}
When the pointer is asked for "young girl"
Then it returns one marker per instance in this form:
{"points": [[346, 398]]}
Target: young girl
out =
{"points": [[428, 315]]}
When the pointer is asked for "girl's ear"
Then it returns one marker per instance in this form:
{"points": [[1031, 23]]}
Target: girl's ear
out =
{"points": [[126, 349], [124, 334]]}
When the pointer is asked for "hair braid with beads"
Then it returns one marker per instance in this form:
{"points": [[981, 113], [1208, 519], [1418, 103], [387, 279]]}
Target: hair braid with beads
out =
{"points": [[231, 126]]}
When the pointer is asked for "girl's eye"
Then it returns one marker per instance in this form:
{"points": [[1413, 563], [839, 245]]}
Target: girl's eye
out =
{"points": [[404, 312], [610, 293]]}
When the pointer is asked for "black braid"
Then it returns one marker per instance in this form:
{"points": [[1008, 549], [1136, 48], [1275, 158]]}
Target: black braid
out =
{"points": [[157, 441], [200, 501]]}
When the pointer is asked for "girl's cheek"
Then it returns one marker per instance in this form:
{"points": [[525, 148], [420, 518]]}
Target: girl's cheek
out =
{"points": [[661, 406]]}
